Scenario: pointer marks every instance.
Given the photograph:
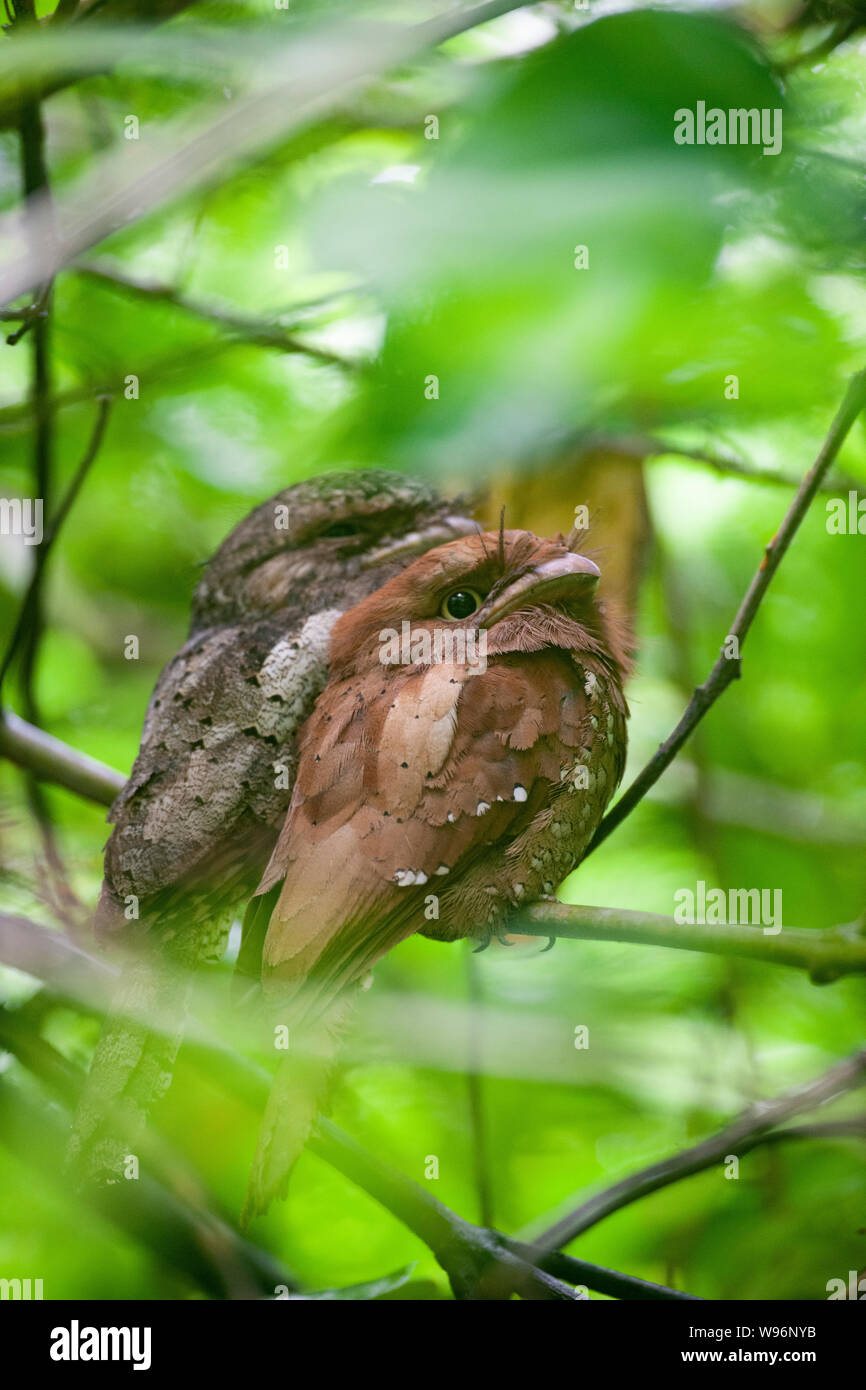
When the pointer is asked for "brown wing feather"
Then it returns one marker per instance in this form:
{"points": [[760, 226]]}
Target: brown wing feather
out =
{"points": [[412, 776]]}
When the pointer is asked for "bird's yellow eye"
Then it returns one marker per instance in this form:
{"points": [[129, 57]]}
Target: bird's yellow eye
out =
{"points": [[460, 603]]}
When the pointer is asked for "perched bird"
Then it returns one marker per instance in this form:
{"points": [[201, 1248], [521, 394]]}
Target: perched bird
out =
{"points": [[462, 753], [198, 818]]}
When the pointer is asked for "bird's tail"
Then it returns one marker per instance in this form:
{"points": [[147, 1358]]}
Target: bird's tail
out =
{"points": [[300, 1089], [247, 978], [131, 1068]]}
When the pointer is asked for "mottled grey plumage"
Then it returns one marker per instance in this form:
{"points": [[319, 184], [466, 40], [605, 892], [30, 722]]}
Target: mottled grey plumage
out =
{"points": [[212, 781], [197, 820]]}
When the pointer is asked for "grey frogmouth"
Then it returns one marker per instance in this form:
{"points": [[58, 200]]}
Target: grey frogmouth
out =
{"points": [[198, 818]]}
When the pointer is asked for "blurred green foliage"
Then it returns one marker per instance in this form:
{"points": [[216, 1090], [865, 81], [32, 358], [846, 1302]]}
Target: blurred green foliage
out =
{"points": [[409, 257]]}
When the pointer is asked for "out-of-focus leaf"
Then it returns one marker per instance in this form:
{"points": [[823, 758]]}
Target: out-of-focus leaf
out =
{"points": [[569, 147]]}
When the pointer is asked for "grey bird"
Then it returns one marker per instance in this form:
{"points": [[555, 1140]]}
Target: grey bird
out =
{"points": [[199, 816]]}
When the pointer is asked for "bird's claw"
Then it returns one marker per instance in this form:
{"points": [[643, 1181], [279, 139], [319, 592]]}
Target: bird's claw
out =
{"points": [[551, 942]]}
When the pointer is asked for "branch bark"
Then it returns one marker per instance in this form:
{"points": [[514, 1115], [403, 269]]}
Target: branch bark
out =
{"points": [[51, 760]]}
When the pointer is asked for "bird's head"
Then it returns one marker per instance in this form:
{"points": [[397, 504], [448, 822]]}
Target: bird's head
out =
{"points": [[324, 543], [513, 590]]}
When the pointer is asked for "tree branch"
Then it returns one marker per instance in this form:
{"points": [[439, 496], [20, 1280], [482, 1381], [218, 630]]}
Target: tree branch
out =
{"points": [[35, 181], [743, 1134], [263, 333], [824, 953], [30, 602], [19, 413], [30, 629], [727, 669], [139, 11], [184, 1234], [49, 956], [307, 82], [51, 760], [642, 446], [478, 1262]]}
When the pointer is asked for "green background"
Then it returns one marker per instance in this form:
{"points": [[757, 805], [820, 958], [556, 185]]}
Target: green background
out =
{"points": [[555, 130]]}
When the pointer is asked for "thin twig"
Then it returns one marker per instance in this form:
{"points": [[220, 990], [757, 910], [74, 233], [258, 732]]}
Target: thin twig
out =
{"points": [[66, 904], [727, 668], [642, 446], [68, 11], [737, 1138], [18, 413], [30, 315], [262, 332], [34, 173], [30, 601]]}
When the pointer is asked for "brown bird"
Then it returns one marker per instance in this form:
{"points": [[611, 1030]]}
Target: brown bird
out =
{"points": [[454, 769], [197, 820]]}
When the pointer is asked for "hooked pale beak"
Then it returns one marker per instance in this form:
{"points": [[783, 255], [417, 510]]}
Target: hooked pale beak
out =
{"points": [[566, 577], [414, 543]]}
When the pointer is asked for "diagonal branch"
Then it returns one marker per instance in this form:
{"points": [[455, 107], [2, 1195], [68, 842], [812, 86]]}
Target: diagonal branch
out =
{"points": [[293, 89], [51, 760], [743, 1134], [727, 669], [172, 1218], [643, 446], [469, 1254], [262, 332], [479, 1262]]}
